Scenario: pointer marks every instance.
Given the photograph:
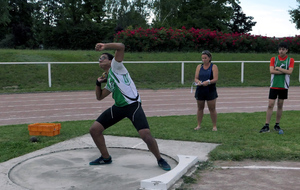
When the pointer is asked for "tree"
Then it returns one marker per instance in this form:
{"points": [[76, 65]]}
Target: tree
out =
{"points": [[240, 23], [4, 18], [21, 23], [295, 15], [205, 14], [165, 13], [129, 13], [71, 24]]}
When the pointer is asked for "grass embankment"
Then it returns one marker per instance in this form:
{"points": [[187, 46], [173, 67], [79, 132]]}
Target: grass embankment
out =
{"points": [[32, 78]]}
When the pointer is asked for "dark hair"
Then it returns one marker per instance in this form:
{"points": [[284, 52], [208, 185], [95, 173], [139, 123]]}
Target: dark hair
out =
{"points": [[206, 52], [110, 56], [283, 45]]}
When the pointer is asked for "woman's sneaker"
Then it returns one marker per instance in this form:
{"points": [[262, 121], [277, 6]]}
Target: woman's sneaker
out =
{"points": [[101, 161], [163, 164], [265, 129]]}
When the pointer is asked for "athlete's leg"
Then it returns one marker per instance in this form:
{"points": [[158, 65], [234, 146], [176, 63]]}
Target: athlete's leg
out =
{"points": [[270, 110], [145, 134], [96, 132], [213, 112], [200, 112], [279, 110]]}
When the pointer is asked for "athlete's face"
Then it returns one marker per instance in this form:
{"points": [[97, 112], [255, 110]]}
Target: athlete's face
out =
{"points": [[104, 62], [205, 58], [282, 51]]}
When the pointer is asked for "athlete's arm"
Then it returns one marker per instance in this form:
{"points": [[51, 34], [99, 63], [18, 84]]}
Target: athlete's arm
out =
{"points": [[287, 71], [101, 93], [215, 74], [284, 71], [197, 81], [272, 67], [119, 47]]}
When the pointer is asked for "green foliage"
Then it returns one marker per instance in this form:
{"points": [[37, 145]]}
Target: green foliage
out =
{"points": [[295, 15], [240, 23]]}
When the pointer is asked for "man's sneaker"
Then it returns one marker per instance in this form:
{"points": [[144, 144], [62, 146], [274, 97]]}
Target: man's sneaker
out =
{"points": [[163, 164], [265, 129], [101, 161], [277, 128]]}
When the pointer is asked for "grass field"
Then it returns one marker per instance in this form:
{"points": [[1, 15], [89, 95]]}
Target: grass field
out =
{"points": [[238, 132]]}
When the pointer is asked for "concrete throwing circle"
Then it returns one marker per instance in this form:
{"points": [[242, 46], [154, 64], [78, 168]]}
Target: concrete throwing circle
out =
{"points": [[70, 169]]}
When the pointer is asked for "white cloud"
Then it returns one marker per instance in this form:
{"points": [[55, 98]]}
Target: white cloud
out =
{"points": [[272, 17]]}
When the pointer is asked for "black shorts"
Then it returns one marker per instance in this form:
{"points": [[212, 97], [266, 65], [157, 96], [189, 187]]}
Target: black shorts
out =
{"points": [[280, 93], [206, 94], [134, 112]]}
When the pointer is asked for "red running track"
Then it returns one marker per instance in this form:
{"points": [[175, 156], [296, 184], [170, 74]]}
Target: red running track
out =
{"points": [[66, 106]]}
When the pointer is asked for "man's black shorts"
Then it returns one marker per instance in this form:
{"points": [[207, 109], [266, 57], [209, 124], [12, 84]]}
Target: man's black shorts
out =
{"points": [[134, 112], [278, 93]]}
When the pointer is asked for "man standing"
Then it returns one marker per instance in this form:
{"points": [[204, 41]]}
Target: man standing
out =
{"points": [[281, 67], [127, 104]]}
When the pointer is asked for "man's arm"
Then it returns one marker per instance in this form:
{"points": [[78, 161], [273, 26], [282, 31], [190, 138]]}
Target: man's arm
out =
{"points": [[119, 47], [279, 70], [101, 93], [283, 71]]}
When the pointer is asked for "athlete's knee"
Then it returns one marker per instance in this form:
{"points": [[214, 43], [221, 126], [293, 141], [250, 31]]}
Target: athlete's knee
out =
{"points": [[271, 104], [96, 128], [212, 109], [145, 134], [280, 106]]}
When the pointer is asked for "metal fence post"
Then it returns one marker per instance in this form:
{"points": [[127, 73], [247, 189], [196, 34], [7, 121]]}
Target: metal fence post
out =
{"points": [[182, 72], [49, 74], [242, 73]]}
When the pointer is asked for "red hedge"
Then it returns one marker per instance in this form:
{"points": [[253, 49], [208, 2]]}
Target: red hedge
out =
{"points": [[163, 39]]}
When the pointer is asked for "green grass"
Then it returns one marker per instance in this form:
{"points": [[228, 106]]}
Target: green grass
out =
{"points": [[238, 135], [69, 77]]}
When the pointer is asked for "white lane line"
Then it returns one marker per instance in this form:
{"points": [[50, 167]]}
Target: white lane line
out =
{"points": [[55, 109], [137, 145], [146, 109], [48, 116], [261, 167]]}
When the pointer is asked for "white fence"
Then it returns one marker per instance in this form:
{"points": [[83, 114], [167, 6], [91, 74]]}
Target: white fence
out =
{"points": [[182, 65]]}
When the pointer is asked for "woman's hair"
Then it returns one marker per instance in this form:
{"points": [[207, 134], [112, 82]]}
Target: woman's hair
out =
{"points": [[206, 52]]}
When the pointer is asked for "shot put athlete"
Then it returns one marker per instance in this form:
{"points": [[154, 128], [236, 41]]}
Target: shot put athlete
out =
{"points": [[127, 104]]}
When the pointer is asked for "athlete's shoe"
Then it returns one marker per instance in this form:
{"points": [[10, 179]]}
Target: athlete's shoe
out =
{"points": [[265, 129], [101, 161], [277, 128], [163, 164]]}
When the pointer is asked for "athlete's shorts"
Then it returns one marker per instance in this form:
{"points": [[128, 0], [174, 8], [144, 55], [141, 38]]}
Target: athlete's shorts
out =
{"points": [[208, 95], [280, 93], [134, 112]]}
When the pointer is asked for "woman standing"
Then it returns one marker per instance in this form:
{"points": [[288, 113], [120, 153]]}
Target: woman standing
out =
{"points": [[206, 77]]}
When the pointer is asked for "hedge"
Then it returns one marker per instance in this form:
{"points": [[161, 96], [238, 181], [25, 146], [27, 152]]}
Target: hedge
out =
{"points": [[164, 39]]}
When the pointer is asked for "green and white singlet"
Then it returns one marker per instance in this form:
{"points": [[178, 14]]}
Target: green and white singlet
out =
{"points": [[282, 80], [121, 85]]}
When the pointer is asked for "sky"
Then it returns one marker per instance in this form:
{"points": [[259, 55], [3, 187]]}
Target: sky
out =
{"points": [[272, 17]]}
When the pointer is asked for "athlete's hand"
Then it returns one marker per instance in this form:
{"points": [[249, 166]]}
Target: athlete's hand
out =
{"points": [[99, 47]]}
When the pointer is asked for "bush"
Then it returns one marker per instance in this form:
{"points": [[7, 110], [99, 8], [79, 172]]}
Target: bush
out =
{"points": [[163, 39]]}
